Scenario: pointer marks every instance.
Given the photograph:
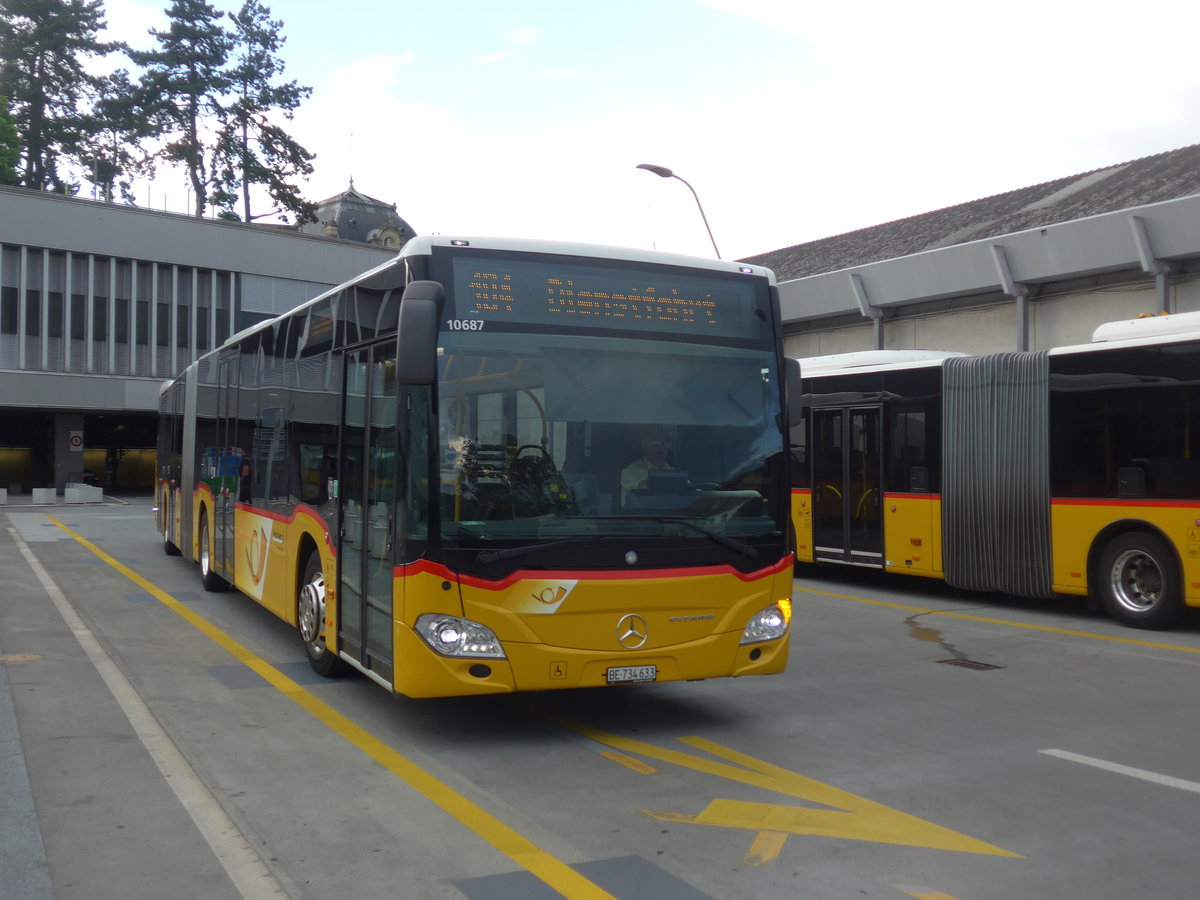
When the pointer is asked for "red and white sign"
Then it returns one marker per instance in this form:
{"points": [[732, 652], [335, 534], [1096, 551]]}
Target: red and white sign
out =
{"points": [[75, 440]]}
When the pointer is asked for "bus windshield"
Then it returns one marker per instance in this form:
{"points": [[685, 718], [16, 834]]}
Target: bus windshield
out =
{"points": [[552, 436]]}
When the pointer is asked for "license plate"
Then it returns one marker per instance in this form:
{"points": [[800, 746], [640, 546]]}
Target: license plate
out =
{"points": [[631, 674]]}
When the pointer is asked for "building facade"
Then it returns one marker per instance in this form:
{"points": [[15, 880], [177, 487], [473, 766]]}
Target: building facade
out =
{"points": [[101, 303], [1030, 269]]}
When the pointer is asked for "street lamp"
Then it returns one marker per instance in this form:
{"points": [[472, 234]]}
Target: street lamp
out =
{"points": [[664, 172]]}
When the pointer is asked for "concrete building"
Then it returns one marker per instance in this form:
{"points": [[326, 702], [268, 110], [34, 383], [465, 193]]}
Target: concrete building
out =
{"points": [[100, 303], [1029, 269]]}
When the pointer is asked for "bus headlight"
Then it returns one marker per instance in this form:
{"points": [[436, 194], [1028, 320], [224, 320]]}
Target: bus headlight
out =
{"points": [[452, 636], [768, 624]]}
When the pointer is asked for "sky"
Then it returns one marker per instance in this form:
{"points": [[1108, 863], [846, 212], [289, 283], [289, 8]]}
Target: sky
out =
{"points": [[792, 120]]}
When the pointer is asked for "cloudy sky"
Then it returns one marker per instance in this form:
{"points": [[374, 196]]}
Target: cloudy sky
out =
{"points": [[792, 120]]}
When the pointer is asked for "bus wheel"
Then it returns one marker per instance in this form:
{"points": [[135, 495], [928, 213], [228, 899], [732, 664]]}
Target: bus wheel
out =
{"points": [[1138, 581], [211, 580], [310, 614]]}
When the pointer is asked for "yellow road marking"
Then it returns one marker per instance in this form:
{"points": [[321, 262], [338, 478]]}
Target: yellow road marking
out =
{"points": [[766, 848], [850, 817], [925, 893], [1027, 626], [630, 763], [20, 657], [522, 851]]}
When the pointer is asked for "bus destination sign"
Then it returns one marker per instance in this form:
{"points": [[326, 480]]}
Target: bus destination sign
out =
{"points": [[567, 295]]}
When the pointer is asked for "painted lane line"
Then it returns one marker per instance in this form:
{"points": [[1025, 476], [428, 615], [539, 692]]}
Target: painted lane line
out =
{"points": [[629, 762], [1116, 639], [923, 893], [521, 850], [244, 866], [1181, 784]]}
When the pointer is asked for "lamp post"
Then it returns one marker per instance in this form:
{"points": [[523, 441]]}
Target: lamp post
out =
{"points": [[664, 172]]}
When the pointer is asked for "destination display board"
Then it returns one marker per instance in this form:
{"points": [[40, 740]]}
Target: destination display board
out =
{"points": [[562, 294]]}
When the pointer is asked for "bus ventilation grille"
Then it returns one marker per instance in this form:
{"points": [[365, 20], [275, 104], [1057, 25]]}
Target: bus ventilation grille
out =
{"points": [[969, 664]]}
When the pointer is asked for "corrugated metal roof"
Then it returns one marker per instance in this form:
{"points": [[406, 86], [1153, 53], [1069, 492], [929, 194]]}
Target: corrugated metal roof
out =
{"points": [[1164, 176]]}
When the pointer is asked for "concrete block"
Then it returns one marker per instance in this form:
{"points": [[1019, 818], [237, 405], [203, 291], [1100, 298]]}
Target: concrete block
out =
{"points": [[77, 492], [44, 495], [3, 496]]}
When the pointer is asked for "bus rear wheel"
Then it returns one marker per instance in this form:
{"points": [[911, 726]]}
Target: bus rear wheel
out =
{"points": [[310, 616], [1138, 581], [210, 579]]}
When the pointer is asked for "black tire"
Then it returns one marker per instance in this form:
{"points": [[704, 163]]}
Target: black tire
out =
{"points": [[310, 617], [210, 579], [1138, 581]]}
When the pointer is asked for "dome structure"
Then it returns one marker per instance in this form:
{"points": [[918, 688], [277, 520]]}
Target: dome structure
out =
{"points": [[353, 216]]}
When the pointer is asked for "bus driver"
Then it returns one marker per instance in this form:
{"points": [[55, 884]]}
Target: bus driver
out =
{"points": [[656, 444]]}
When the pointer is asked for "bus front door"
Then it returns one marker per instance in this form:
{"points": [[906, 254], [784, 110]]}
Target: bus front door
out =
{"points": [[367, 499], [228, 467], [847, 503]]}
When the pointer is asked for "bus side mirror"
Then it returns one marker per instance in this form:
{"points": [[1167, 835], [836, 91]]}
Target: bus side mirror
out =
{"points": [[795, 391], [416, 335]]}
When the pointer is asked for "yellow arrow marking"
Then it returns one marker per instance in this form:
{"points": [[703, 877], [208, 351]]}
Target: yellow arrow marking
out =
{"points": [[850, 817]]}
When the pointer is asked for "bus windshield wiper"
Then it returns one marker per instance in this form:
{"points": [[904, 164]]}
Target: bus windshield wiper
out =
{"points": [[723, 540], [484, 557]]}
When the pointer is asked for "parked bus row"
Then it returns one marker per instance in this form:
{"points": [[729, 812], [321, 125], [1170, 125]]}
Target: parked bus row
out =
{"points": [[490, 466]]}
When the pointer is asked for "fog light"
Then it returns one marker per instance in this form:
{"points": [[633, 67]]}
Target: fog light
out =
{"points": [[768, 624], [452, 636]]}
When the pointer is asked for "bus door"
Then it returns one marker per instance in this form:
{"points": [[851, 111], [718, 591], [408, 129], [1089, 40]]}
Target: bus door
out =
{"points": [[847, 503], [228, 474], [367, 500]]}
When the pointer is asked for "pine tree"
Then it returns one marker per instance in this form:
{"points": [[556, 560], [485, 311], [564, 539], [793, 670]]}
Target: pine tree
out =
{"points": [[10, 145], [112, 154], [43, 47], [254, 148], [182, 87]]}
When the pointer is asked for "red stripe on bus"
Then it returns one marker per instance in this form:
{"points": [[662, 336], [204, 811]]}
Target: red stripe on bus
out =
{"points": [[424, 566], [1135, 503], [803, 492]]}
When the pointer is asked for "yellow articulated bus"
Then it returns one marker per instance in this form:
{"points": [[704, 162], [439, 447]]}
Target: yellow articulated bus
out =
{"points": [[1066, 471], [497, 465]]}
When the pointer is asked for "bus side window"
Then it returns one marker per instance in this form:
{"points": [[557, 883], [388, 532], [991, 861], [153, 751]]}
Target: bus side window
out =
{"points": [[908, 468]]}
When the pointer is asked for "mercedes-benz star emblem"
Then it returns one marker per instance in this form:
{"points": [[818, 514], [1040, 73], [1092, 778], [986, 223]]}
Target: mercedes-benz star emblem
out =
{"points": [[632, 631]]}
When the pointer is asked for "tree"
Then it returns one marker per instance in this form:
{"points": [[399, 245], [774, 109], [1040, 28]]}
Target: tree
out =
{"points": [[10, 145], [181, 89], [111, 155], [255, 149], [43, 47]]}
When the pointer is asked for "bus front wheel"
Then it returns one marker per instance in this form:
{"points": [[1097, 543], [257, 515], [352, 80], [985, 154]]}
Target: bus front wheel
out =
{"points": [[1138, 581], [310, 615]]}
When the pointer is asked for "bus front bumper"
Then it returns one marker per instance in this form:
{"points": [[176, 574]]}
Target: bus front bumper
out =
{"points": [[421, 672]]}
